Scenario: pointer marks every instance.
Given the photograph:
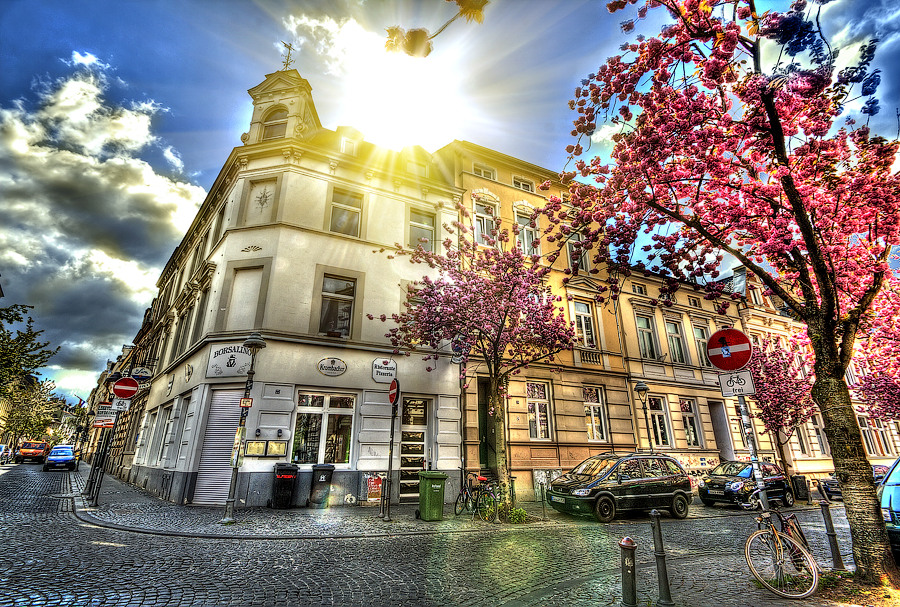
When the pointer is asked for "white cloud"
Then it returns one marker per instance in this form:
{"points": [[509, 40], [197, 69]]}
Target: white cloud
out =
{"points": [[87, 59], [173, 158], [86, 223]]}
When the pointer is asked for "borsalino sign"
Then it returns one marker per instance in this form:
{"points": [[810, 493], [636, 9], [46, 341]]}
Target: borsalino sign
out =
{"points": [[228, 361]]}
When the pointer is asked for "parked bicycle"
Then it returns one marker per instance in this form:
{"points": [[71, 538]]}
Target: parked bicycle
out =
{"points": [[467, 494], [781, 559]]}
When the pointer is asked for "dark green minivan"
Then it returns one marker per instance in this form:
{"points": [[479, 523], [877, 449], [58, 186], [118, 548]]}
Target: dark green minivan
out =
{"points": [[604, 484]]}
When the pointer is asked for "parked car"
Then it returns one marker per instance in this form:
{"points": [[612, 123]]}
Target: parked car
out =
{"points": [[832, 488], [35, 451], [733, 483], [605, 484], [61, 456], [888, 492]]}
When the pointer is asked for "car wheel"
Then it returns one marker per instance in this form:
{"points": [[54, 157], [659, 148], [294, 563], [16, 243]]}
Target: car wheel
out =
{"points": [[755, 503], [680, 506], [788, 498], [707, 502], [605, 509]]}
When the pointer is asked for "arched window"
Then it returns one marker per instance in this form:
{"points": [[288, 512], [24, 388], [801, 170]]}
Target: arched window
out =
{"points": [[275, 124]]}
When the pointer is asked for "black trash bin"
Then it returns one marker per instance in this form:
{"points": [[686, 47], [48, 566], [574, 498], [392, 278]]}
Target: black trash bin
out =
{"points": [[320, 486], [801, 491], [283, 486]]}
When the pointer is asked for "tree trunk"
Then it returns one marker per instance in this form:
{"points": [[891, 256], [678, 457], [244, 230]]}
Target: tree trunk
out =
{"points": [[498, 406], [871, 548]]}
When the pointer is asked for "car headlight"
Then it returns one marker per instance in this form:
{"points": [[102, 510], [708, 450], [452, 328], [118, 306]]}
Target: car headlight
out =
{"points": [[581, 492], [701, 483], [735, 485]]}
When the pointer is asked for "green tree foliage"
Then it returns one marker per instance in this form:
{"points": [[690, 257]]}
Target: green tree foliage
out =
{"points": [[21, 351], [33, 409]]}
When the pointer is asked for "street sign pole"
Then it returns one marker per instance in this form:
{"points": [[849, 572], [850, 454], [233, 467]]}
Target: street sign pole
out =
{"points": [[394, 396], [731, 350], [108, 435]]}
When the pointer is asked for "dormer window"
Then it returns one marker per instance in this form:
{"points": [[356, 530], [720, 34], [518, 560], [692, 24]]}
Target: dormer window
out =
{"points": [[275, 124], [348, 146], [482, 170]]}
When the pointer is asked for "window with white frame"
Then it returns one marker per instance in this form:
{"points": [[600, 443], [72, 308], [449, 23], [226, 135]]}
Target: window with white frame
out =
{"points": [[523, 184], [275, 124], [874, 436], [659, 421], [538, 410], [800, 433], [584, 324], [646, 338], [694, 302], [484, 223], [819, 433], [850, 376], [676, 341], [324, 428], [638, 289], [483, 170], [338, 295], [527, 235], [594, 418], [756, 296], [691, 423], [579, 257], [346, 212], [701, 338], [421, 230]]}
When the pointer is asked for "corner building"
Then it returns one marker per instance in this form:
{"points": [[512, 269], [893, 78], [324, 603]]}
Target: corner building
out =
{"points": [[287, 244]]}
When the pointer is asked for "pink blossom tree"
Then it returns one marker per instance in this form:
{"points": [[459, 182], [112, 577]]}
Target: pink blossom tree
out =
{"points": [[490, 304], [783, 397], [879, 354], [728, 142]]}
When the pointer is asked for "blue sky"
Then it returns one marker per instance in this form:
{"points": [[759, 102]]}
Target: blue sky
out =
{"points": [[116, 115]]}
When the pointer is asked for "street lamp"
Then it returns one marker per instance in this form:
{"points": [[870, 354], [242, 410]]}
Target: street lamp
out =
{"points": [[254, 343], [642, 390]]}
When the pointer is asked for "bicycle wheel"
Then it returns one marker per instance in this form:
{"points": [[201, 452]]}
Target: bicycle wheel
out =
{"points": [[781, 564], [460, 504], [486, 506]]}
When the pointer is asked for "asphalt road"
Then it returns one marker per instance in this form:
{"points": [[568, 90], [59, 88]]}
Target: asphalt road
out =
{"points": [[50, 557]]}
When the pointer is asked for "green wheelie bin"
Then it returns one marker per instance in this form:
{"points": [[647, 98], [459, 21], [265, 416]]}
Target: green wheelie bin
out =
{"points": [[431, 495]]}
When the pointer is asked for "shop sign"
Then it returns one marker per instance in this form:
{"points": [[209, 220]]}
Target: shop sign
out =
{"points": [[373, 487], [332, 367], [384, 370], [228, 361]]}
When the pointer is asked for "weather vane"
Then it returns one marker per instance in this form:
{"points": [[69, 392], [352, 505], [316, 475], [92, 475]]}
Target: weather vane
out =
{"points": [[287, 58]]}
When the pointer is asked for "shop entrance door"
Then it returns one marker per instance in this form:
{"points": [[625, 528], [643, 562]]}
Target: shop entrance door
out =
{"points": [[413, 433]]}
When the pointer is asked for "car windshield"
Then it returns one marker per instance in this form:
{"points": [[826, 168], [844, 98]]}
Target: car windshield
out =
{"points": [[58, 451], [595, 466], [732, 469], [894, 477], [32, 445]]}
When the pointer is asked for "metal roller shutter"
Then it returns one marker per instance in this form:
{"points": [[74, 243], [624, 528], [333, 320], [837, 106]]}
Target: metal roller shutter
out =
{"points": [[214, 471]]}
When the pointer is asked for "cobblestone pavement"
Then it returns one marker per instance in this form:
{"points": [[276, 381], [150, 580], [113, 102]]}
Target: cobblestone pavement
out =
{"points": [[136, 550]]}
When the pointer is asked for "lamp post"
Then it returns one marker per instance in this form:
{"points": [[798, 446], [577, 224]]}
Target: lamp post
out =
{"points": [[254, 343], [642, 389]]}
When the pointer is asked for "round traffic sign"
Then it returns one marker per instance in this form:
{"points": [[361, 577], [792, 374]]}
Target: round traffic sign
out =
{"points": [[394, 391], [729, 349], [125, 387]]}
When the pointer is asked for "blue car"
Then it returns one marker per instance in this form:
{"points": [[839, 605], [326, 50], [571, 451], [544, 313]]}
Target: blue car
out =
{"points": [[61, 456], [889, 495]]}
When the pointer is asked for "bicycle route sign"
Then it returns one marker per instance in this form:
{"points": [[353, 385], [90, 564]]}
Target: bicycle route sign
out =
{"points": [[736, 383], [729, 350]]}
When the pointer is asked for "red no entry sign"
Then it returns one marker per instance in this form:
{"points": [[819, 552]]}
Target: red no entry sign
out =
{"points": [[729, 349], [394, 391], [125, 387]]}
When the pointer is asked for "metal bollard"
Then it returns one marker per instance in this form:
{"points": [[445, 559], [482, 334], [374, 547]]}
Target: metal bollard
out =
{"points": [[543, 503], [836, 560], [809, 499], [662, 572], [629, 585]]}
